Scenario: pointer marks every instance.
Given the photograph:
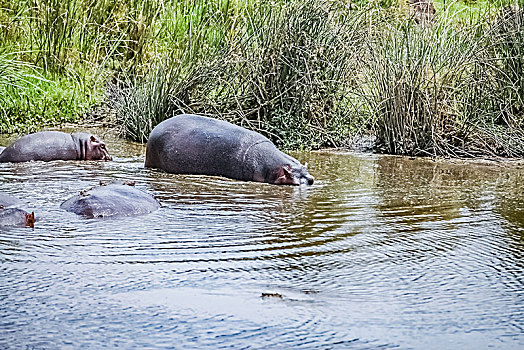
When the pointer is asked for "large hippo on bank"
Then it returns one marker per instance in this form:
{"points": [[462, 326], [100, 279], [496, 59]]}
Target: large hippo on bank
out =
{"points": [[192, 144], [111, 201], [55, 145]]}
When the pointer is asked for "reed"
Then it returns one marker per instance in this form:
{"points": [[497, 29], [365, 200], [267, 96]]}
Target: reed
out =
{"points": [[433, 90], [307, 74], [286, 73]]}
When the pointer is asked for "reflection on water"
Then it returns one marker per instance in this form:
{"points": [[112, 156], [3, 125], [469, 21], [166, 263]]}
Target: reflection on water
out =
{"points": [[379, 252]]}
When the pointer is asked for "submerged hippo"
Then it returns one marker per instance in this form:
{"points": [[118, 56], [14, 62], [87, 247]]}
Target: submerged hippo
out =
{"points": [[110, 201], [7, 201], [14, 216], [55, 145], [192, 144]]}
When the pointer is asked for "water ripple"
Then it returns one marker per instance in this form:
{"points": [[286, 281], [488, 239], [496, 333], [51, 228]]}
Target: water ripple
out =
{"points": [[380, 252]]}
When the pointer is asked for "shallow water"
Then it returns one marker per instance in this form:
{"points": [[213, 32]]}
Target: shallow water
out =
{"points": [[381, 252]]}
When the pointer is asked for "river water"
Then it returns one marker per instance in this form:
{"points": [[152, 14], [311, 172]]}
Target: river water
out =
{"points": [[381, 252]]}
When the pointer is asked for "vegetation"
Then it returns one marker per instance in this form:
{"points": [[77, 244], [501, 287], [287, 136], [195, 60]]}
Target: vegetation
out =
{"points": [[307, 74]]}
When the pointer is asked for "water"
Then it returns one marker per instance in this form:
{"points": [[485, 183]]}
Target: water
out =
{"points": [[381, 252]]}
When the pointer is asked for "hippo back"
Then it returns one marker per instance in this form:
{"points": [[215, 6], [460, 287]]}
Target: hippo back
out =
{"points": [[192, 144], [111, 201], [44, 145], [7, 201]]}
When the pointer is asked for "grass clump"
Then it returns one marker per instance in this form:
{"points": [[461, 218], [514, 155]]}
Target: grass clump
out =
{"points": [[447, 89], [286, 73]]}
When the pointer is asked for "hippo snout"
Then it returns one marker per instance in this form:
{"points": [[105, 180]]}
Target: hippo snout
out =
{"points": [[307, 180], [310, 180]]}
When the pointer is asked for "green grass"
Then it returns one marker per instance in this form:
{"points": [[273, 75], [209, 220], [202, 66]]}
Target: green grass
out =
{"points": [[285, 73], [307, 74], [30, 99]]}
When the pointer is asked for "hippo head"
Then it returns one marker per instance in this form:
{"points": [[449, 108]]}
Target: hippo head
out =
{"points": [[96, 149], [296, 174]]}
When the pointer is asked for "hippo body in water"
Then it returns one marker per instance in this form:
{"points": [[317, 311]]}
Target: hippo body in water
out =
{"points": [[55, 145], [14, 216], [111, 201], [192, 144], [7, 201]]}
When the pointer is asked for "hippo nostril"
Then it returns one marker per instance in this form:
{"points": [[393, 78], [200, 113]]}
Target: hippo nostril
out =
{"points": [[307, 180]]}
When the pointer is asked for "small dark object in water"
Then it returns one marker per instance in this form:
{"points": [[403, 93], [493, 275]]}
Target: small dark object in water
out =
{"points": [[111, 200], [55, 145], [271, 295], [310, 291]]}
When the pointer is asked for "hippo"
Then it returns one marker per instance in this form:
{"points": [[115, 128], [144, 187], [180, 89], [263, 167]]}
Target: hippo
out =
{"points": [[55, 145], [111, 200], [16, 217], [7, 201], [193, 144]]}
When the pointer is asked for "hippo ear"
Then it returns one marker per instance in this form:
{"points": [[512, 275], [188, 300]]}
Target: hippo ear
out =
{"points": [[30, 220], [93, 138]]}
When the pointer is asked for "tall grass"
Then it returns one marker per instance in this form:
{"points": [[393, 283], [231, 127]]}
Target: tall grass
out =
{"points": [[413, 80], [441, 90], [30, 98], [286, 73], [307, 74]]}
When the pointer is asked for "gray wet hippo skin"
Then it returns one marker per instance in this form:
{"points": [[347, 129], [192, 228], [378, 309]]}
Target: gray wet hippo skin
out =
{"points": [[55, 145], [7, 201], [192, 144], [14, 216], [112, 200]]}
